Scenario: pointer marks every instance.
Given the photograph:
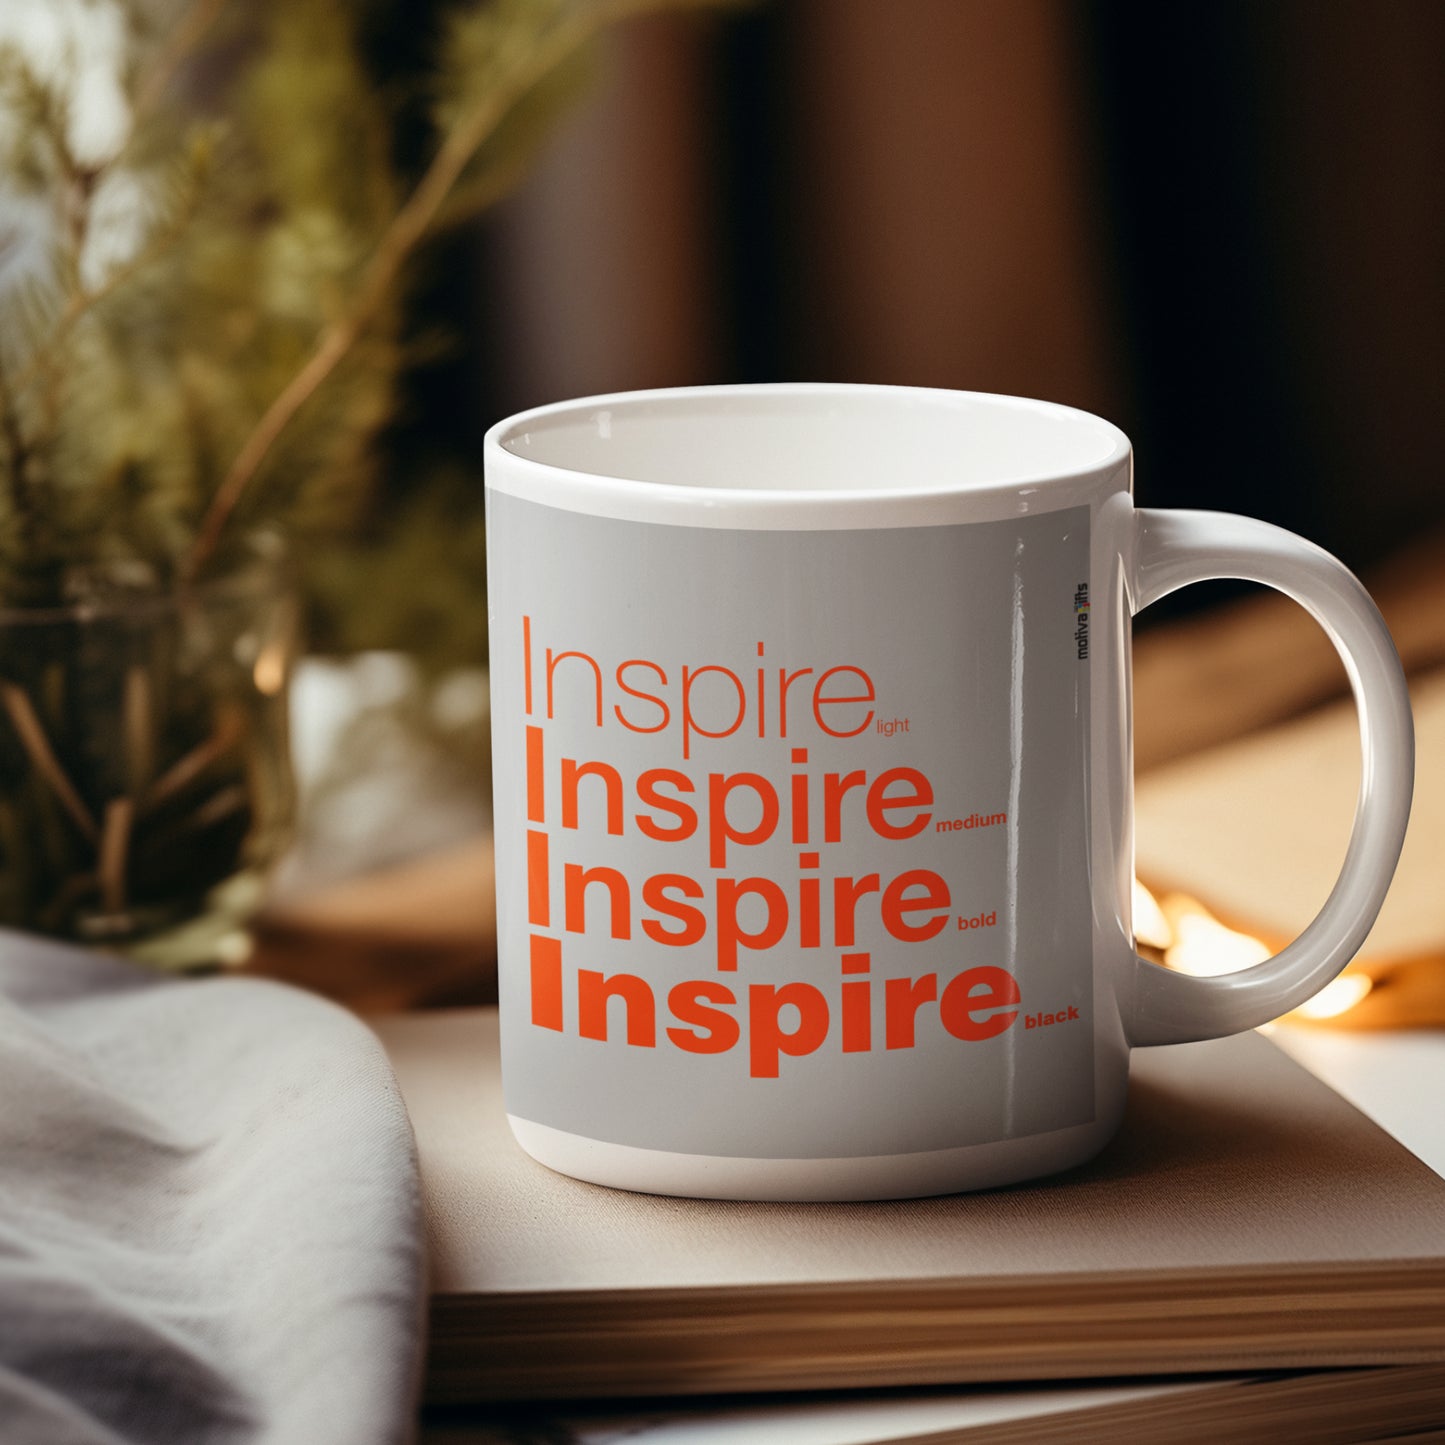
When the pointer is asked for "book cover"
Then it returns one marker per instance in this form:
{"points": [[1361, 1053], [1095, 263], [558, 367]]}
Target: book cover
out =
{"points": [[1245, 1218]]}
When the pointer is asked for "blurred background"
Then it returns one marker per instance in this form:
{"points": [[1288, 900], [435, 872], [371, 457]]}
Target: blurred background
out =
{"points": [[1221, 225]]}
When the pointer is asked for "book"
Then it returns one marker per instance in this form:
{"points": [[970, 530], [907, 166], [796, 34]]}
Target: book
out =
{"points": [[1398, 1402], [1245, 1218]]}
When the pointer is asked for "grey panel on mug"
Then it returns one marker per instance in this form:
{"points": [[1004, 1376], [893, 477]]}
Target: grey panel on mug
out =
{"points": [[966, 636]]}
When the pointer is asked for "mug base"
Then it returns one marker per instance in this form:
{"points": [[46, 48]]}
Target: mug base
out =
{"points": [[838, 1180]]}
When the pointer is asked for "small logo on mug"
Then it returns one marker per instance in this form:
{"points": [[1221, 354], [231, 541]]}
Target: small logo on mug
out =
{"points": [[1081, 620]]}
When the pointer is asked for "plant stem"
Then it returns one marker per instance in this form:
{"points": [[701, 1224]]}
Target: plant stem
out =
{"points": [[22, 500], [114, 849], [32, 738], [229, 731], [138, 729], [183, 39], [78, 303], [400, 238]]}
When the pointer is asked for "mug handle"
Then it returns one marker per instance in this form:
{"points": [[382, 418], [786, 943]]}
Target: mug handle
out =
{"points": [[1172, 549]]}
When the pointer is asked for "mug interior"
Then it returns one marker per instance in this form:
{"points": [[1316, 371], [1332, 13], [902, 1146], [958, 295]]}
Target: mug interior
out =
{"points": [[816, 438]]}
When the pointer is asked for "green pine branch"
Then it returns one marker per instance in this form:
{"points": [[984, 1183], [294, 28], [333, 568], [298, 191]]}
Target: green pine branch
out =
{"points": [[233, 369]]}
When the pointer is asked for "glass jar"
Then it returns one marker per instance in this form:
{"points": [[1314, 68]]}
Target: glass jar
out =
{"points": [[145, 767]]}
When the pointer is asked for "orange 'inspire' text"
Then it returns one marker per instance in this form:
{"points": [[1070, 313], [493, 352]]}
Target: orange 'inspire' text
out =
{"points": [[728, 912], [707, 701]]}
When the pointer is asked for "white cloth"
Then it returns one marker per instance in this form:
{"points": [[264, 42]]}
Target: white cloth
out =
{"points": [[210, 1219]]}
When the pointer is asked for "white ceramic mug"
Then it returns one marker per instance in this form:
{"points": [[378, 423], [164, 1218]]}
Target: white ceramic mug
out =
{"points": [[813, 787]]}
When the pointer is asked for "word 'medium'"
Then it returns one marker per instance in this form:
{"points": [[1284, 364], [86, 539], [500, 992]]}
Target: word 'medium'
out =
{"points": [[729, 913], [707, 700]]}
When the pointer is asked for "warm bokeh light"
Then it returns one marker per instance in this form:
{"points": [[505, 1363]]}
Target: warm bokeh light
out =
{"points": [[1336, 997], [1193, 941], [1150, 925], [1204, 947], [269, 673]]}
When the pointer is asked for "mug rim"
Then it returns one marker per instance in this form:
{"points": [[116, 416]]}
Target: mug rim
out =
{"points": [[609, 494]]}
